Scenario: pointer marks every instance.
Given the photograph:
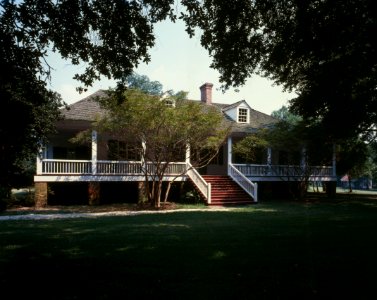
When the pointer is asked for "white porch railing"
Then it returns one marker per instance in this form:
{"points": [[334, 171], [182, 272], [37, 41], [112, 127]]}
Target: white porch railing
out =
{"points": [[282, 170], [118, 167], [64, 166], [201, 184], [103, 167], [106, 167], [176, 168], [250, 187]]}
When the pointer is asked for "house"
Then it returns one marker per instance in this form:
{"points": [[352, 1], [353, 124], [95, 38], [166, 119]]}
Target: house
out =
{"points": [[97, 172], [359, 183]]}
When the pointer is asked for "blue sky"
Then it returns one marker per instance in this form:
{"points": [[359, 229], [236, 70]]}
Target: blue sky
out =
{"points": [[179, 63]]}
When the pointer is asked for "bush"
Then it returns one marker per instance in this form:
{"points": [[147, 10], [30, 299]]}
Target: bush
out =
{"points": [[22, 197], [189, 195]]}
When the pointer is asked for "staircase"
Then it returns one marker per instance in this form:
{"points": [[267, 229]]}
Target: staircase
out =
{"points": [[224, 191]]}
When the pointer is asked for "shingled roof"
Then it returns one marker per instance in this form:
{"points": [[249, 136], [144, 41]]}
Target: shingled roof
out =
{"points": [[88, 109], [257, 119]]}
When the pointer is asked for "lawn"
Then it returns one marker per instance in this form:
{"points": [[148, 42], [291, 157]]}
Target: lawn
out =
{"points": [[274, 250]]}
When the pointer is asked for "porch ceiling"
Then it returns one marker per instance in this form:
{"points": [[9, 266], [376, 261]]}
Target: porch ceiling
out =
{"points": [[72, 125]]}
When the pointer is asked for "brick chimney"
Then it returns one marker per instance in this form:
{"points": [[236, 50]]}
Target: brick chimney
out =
{"points": [[206, 93]]}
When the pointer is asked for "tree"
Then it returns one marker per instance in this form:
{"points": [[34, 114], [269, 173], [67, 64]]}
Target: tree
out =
{"points": [[143, 83], [161, 129], [325, 51], [301, 148], [28, 108], [109, 37], [353, 159], [283, 114]]}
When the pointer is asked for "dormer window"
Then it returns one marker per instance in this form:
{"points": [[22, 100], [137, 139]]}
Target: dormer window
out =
{"points": [[243, 115], [238, 112], [167, 99], [169, 102]]}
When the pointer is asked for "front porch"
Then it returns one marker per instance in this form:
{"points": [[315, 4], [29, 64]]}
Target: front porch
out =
{"points": [[247, 176]]}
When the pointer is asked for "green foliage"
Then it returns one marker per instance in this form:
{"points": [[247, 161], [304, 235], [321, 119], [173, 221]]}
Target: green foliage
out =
{"points": [[109, 37], [371, 166], [166, 130], [325, 51], [283, 114], [297, 145], [23, 197], [143, 83], [28, 108], [313, 250], [352, 157], [249, 147]]}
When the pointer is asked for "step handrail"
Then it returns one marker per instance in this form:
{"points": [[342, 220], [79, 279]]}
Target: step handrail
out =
{"points": [[203, 186], [249, 187]]}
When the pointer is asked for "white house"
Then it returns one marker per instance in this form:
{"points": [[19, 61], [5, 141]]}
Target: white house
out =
{"points": [[224, 181]]}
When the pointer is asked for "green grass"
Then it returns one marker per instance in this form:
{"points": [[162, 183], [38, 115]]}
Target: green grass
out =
{"points": [[273, 250]]}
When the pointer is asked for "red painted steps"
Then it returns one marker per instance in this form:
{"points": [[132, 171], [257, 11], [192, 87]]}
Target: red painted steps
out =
{"points": [[224, 191]]}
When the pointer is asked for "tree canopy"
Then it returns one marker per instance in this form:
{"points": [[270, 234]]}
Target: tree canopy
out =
{"points": [[108, 37], [325, 51], [161, 128], [143, 83]]}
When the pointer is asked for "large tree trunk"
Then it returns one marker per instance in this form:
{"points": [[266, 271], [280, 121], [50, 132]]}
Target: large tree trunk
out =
{"points": [[151, 194], [167, 191], [155, 195], [158, 194]]}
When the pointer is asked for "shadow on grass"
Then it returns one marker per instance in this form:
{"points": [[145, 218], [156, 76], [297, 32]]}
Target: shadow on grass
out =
{"points": [[276, 250]]}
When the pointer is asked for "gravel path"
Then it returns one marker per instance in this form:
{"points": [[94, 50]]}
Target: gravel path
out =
{"points": [[55, 216]]}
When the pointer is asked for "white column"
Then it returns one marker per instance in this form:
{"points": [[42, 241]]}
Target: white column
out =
{"points": [[94, 152], [143, 152], [269, 156], [188, 154], [229, 153], [269, 159], [39, 162]]}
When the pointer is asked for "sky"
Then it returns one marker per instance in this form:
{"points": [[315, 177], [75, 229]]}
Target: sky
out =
{"points": [[178, 63]]}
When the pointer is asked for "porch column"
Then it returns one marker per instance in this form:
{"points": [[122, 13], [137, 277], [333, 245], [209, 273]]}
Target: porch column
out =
{"points": [[39, 163], [229, 153], [143, 152], [94, 152], [269, 159], [142, 196], [188, 154], [40, 194], [334, 160], [42, 153]]}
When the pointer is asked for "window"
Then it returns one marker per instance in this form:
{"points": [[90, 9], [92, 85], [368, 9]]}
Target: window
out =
{"points": [[243, 115], [169, 102], [118, 150], [80, 152]]}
